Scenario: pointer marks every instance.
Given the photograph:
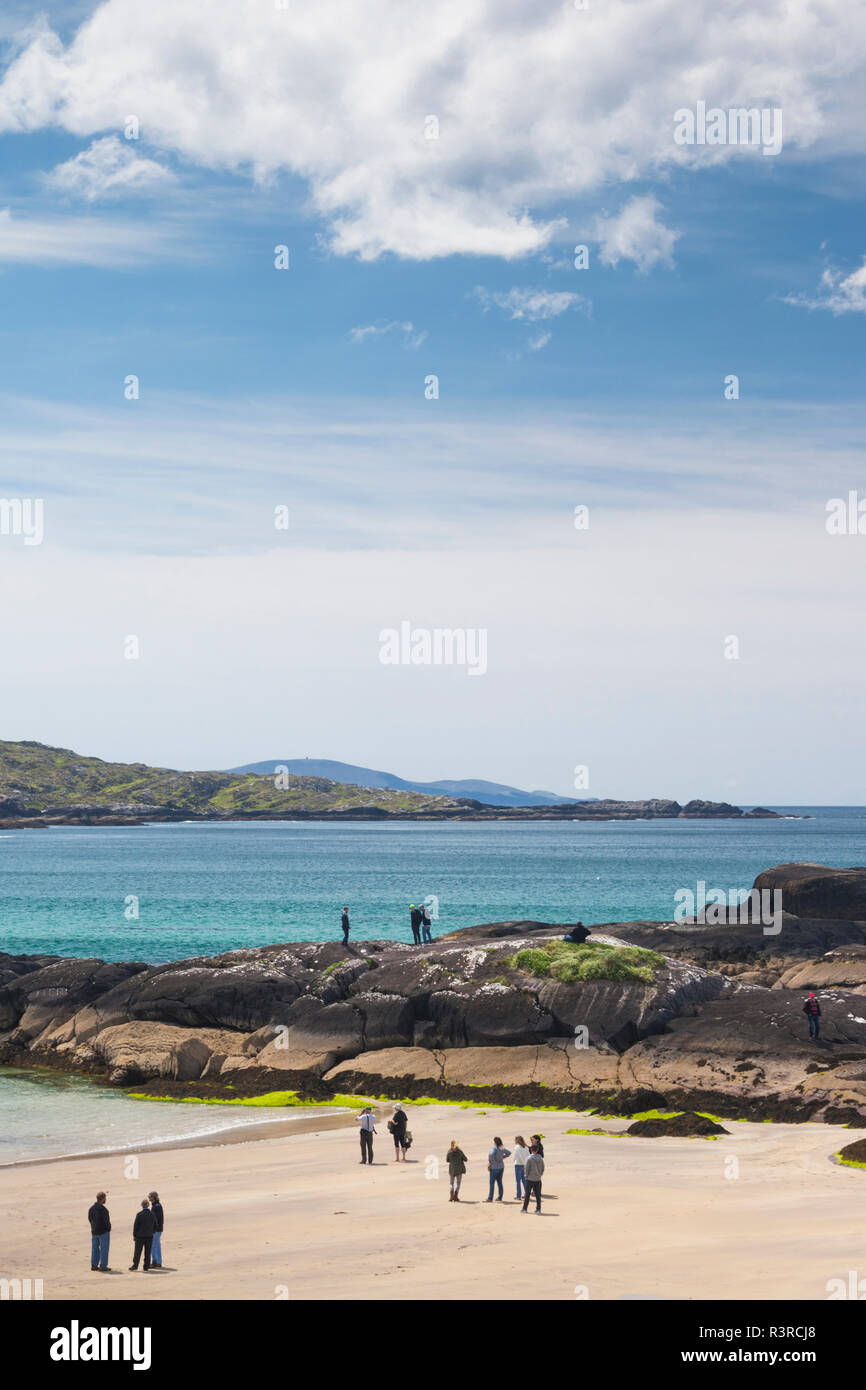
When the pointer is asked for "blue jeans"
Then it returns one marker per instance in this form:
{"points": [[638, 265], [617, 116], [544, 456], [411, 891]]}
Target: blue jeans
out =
{"points": [[814, 1025], [495, 1177], [156, 1248], [519, 1179], [99, 1249]]}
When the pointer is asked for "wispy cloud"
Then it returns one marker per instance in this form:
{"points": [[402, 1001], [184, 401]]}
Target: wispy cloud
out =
{"points": [[84, 241], [108, 168], [840, 293], [530, 304], [412, 337], [200, 474]]}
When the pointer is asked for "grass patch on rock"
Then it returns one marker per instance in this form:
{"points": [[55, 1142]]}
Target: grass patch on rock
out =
{"points": [[572, 964]]}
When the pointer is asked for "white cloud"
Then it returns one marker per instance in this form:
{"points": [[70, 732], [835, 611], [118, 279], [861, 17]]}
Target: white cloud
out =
{"points": [[531, 304], [81, 241], [108, 167], [535, 105], [539, 341], [841, 294], [635, 234], [412, 337]]}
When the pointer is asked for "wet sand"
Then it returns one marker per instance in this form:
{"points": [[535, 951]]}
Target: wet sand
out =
{"points": [[297, 1216]]}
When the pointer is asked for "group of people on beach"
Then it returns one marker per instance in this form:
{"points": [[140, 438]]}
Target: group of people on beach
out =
{"points": [[420, 922], [528, 1158], [147, 1230]]}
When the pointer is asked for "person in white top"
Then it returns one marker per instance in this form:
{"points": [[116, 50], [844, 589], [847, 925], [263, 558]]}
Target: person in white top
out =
{"points": [[521, 1154], [367, 1123]]}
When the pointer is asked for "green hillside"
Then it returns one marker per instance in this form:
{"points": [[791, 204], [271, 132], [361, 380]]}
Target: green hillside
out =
{"points": [[35, 778]]}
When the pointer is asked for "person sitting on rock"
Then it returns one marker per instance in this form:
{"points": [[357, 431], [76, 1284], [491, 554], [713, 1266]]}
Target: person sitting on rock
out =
{"points": [[812, 1010], [577, 935]]}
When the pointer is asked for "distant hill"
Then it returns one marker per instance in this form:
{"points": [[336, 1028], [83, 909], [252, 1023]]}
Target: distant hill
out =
{"points": [[38, 780], [490, 793]]}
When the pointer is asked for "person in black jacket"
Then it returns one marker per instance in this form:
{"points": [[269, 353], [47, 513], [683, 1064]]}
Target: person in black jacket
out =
{"points": [[415, 919], [812, 1010], [397, 1125], [344, 923], [159, 1226], [100, 1234], [142, 1232]]}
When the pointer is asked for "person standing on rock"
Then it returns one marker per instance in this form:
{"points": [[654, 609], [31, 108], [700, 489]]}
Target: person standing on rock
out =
{"points": [[456, 1160], [415, 916], [142, 1233], [426, 924], [100, 1234], [521, 1154], [344, 923], [534, 1170], [397, 1125], [812, 1010], [496, 1167], [367, 1121], [159, 1226]]}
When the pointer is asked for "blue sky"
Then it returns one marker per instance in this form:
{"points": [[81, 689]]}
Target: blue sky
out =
{"points": [[305, 387]]}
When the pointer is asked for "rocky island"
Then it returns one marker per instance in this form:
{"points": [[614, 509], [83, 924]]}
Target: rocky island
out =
{"points": [[42, 786], [625, 1017]]}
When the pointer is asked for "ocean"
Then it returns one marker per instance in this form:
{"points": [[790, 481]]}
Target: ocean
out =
{"points": [[163, 892], [50, 1114]]}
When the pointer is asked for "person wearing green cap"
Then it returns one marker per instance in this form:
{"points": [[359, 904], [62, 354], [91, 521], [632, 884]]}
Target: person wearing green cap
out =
{"points": [[415, 918]]}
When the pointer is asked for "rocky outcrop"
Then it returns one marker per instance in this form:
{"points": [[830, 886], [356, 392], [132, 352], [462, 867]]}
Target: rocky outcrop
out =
{"points": [[685, 1125], [817, 890], [714, 1024]]}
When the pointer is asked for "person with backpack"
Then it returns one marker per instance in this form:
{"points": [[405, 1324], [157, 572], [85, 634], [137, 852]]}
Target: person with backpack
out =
{"points": [[812, 1010], [456, 1160], [521, 1154], [398, 1127], [534, 1169], [415, 917], [496, 1167]]}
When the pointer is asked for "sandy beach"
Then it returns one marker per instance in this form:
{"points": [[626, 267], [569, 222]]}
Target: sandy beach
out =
{"points": [[298, 1216]]}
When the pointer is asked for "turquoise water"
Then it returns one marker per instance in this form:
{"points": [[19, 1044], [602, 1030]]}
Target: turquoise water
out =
{"points": [[202, 889], [46, 1114]]}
